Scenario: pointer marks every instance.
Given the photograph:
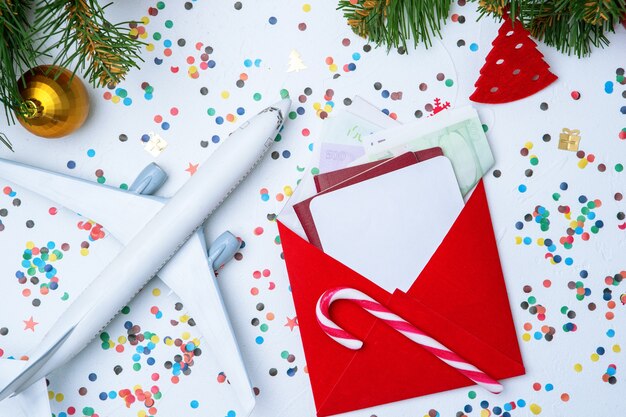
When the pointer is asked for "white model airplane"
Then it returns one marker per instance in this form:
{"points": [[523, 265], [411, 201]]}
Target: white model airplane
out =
{"points": [[130, 217]]}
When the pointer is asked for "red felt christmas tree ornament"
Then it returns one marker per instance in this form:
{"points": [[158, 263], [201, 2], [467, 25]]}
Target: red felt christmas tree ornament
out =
{"points": [[514, 69]]}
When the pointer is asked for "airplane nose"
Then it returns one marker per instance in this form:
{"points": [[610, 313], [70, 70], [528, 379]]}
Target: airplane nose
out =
{"points": [[283, 105]]}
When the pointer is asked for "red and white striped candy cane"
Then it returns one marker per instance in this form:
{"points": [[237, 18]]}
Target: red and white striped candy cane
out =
{"points": [[398, 323]]}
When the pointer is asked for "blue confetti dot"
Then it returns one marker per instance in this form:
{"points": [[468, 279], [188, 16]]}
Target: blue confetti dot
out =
{"points": [[522, 188], [147, 96], [211, 63], [128, 101], [219, 120], [291, 371], [240, 111], [90, 153], [587, 292], [507, 407], [610, 333], [150, 361], [384, 93], [136, 357], [62, 414], [92, 377], [473, 47], [194, 404], [506, 414], [257, 62], [247, 63], [259, 340], [600, 350], [356, 56], [272, 20], [519, 225], [159, 314], [582, 199], [608, 87], [71, 164], [497, 411], [610, 371], [215, 139], [167, 43], [265, 197], [467, 408], [549, 387], [569, 261], [158, 61], [352, 66], [527, 240], [385, 111], [145, 137], [521, 403], [591, 215], [547, 242], [103, 396], [484, 404], [538, 335], [112, 395], [300, 110], [563, 186], [557, 258], [54, 285], [599, 224], [231, 413], [623, 110], [286, 154], [165, 125]]}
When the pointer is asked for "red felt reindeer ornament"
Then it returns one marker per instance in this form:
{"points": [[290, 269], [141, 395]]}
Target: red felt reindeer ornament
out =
{"points": [[514, 69]]}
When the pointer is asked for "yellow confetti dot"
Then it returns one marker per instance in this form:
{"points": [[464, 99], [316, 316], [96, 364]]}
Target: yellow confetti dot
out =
{"points": [[328, 108], [528, 145], [145, 20], [568, 216], [111, 344], [150, 47], [595, 357], [485, 413], [84, 251], [518, 240], [156, 292], [526, 337], [193, 69], [50, 395], [133, 32], [573, 224], [141, 413], [169, 342], [121, 340], [535, 409], [115, 99], [306, 8], [578, 367], [184, 319], [196, 341], [154, 338], [52, 257], [136, 387], [333, 67], [143, 36], [30, 245], [225, 94], [540, 241], [582, 163], [317, 106], [185, 335], [617, 349], [288, 191], [59, 397]]}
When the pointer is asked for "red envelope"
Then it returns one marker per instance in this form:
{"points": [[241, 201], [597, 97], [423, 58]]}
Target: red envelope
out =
{"points": [[459, 298]]}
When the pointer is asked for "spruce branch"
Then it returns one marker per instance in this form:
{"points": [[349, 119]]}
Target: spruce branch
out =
{"points": [[571, 26], [394, 22], [16, 52], [5, 141], [87, 40]]}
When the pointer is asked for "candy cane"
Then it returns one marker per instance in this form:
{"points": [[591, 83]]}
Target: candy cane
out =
{"points": [[398, 323]]}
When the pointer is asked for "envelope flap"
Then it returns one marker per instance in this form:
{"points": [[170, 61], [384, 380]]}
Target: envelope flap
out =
{"points": [[311, 273], [463, 280]]}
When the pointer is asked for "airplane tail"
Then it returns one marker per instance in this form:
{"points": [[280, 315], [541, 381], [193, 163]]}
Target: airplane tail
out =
{"points": [[32, 402]]}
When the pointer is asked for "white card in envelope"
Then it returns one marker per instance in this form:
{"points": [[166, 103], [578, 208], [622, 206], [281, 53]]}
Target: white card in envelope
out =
{"points": [[386, 228]]}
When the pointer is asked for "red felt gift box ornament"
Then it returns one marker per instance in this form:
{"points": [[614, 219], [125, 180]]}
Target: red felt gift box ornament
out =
{"points": [[514, 69]]}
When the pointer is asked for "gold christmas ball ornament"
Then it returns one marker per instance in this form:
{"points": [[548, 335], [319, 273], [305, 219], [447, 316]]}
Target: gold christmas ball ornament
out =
{"points": [[55, 103]]}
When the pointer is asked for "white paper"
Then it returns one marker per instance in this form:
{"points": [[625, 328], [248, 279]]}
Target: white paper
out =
{"points": [[388, 227]]}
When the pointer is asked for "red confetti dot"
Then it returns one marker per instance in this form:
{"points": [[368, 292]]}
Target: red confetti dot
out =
{"points": [[454, 17], [258, 231], [256, 274], [52, 211], [622, 134], [190, 60], [155, 376], [547, 283], [591, 157], [306, 132], [154, 309], [107, 95], [266, 273], [174, 111], [575, 95], [167, 52], [345, 42], [199, 45], [158, 118], [536, 386], [119, 348], [329, 60], [302, 26], [254, 291]]}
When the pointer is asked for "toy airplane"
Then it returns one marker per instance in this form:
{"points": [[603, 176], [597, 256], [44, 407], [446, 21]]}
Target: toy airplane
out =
{"points": [[167, 236]]}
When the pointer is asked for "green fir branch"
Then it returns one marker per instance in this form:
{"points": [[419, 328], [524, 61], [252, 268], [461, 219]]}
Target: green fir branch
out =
{"points": [[16, 53], [105, 52], [6, 142], [393, 22]]}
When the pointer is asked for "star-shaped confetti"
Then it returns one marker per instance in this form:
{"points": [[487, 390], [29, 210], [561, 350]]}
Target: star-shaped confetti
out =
{"points": [[30, 324], [291, 323], [192, 168]]}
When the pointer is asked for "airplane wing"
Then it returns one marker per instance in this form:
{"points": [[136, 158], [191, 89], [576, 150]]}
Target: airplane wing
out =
{"points": [[122, 213], [32, 402], [191, 277]]}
